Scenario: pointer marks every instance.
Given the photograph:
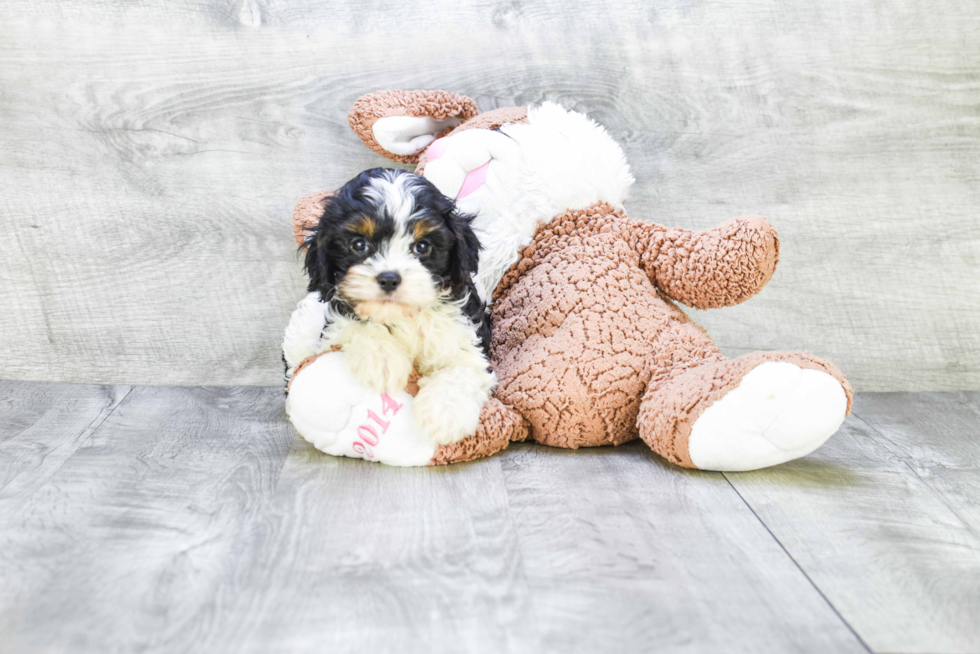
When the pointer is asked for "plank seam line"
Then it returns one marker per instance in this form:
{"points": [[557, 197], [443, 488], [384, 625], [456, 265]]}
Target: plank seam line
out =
{"points": [[799, 567], [513, 523], [294, 438], [933, 491], [83, 437], [100, 419], [30, 426]]}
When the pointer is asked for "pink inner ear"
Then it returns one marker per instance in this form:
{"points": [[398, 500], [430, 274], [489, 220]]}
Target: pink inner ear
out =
{"points": [[436, 149], [474, 180]]}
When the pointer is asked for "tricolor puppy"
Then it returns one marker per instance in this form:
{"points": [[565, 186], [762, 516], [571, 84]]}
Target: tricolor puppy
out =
{"points": [[394, 260]]}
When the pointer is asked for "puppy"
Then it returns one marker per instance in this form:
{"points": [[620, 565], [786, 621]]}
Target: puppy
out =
{"points": [[394, 260]]}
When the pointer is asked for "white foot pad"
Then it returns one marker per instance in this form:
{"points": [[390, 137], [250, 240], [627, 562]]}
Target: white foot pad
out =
{"points": [[342, 417], [779, 412]]}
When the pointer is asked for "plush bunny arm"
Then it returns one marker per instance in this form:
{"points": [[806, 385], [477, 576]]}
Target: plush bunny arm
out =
{"points": [[399, 125], [711, 268], [302, 337]]}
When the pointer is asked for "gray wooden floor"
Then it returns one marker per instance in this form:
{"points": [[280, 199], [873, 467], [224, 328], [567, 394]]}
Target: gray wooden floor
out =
{"points": [[165, 519]]}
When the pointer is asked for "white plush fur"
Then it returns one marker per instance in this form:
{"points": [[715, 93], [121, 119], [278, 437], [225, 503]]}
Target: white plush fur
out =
{"points": [[559, 161], [302, 337], [779, 412]]}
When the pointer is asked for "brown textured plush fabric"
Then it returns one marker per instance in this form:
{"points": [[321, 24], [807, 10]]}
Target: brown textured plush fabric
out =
{"points": [[493, 119], [434, 104], [711, 268], [307, 214]]}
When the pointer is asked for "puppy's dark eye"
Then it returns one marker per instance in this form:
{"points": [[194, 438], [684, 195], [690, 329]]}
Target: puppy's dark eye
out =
{"points": [[422, 248], [358, 246]]}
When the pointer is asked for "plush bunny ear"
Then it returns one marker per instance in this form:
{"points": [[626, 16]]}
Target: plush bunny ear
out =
{"points": [[307, 214], [399, 125]]}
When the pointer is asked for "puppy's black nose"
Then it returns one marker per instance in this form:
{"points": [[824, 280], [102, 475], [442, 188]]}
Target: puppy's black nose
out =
{"points": [[388, 281]]}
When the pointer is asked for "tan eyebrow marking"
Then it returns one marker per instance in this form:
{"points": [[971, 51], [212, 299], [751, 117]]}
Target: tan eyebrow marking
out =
{"points": [[421, 228], [364, 226]]}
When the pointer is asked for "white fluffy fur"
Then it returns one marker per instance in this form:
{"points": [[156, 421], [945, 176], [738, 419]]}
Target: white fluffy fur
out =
{"points": [[559, 161], [302, 337], [393, 190], [448, 404]]}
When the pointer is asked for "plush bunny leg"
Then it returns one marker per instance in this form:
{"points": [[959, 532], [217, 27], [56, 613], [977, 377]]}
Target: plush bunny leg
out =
{"points": [[758, 410]]}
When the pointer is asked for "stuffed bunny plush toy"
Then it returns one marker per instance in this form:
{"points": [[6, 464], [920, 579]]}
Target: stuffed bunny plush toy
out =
{"points": [[587, 344]]}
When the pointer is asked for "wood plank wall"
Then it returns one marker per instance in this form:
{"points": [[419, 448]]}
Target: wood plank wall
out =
{"points": [[150, 151]]}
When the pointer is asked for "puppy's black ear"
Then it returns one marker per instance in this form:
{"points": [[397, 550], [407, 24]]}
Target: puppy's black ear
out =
{"points": [[466, 250], [318, 265]]}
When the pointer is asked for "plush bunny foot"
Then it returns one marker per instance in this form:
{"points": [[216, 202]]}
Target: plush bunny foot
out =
{"points": [[779, 412], [339, 415], [756, 411]]}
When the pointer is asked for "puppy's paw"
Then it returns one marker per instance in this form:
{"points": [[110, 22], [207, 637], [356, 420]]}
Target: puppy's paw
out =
{"points": [[447, 407], [446, 420], [383, 369]]}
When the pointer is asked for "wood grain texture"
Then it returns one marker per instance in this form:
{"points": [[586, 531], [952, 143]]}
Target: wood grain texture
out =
{"points": [[42, 425], [127, 546], [898, 555], [183, 525], [152, 151], [365, 558], [937, 435]]}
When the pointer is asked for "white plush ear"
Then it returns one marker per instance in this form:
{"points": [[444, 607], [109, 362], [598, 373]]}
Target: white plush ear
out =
{"points": [[400, 124], [406, 135]]}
